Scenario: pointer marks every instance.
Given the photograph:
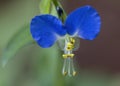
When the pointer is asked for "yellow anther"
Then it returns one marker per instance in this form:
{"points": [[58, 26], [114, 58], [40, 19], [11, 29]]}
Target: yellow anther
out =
{"points": [[71, 55], [70, 46], [65, 73], [65, 56], [68, 56], [74, 73], [72, 40]]}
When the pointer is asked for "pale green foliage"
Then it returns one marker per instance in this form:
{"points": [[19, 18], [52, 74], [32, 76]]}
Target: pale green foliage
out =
{"points": [[19, 40], [45, 6], [23, 36]]}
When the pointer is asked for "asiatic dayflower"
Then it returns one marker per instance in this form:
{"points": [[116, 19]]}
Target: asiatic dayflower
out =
{"points": [[83, 22]]}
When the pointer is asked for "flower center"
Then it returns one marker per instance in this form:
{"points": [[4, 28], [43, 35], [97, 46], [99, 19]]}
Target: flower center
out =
{"points": [[68, 66]]}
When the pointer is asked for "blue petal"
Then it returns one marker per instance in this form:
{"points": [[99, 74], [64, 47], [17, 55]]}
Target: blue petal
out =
{"points": [[46, 29], [84, 22]]}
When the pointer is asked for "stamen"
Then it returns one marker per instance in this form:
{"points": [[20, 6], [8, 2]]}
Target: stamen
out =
{"points": [[74, 73], [65, 65], [68, 55], [68, 66], [70, 46], [72, 40]]}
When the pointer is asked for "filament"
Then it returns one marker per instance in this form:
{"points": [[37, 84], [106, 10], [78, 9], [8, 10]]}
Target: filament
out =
{"points": [[64, 71], [68, 67]]}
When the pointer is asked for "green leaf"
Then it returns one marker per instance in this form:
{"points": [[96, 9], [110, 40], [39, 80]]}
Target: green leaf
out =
{"points": [[23, 36], [19, 40], [53, 10], [45, 6]]}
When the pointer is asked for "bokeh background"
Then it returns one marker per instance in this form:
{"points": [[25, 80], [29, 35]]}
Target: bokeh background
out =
{"points": [[97, 62]]}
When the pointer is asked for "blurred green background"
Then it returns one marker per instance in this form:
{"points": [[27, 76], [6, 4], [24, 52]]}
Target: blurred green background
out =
{"points": [[97, 62]]}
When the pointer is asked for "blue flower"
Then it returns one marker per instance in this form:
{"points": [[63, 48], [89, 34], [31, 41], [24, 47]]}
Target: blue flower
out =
{"points": [[83, 22]]}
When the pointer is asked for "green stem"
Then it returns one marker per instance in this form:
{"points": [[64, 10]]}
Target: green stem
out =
{"points": [[57, 4]]}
